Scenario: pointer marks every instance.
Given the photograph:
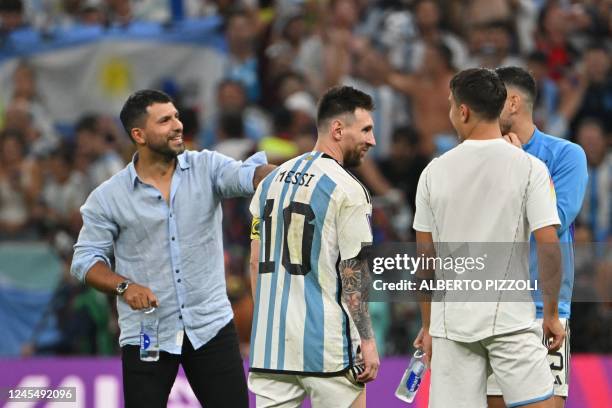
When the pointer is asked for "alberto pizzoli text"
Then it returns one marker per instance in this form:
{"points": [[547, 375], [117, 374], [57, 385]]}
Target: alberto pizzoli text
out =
{"points": [[458, 285]]}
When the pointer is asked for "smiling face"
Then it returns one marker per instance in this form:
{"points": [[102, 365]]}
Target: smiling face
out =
{"points": [[162, 132], [357, 137]]}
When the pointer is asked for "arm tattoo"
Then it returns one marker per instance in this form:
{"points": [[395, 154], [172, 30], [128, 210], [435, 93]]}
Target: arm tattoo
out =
{"points": [[355, 288]]}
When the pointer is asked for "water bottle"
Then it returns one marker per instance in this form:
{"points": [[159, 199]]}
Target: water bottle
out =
{"points": [[149, 339], [408, 387]]}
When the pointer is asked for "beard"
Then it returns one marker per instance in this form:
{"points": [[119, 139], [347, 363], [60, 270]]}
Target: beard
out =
{"points": [[353, 158], [505, 125], [166, 150]]}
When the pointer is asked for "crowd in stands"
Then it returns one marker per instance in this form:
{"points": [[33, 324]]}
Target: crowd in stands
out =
{"points": [[281, 56]]}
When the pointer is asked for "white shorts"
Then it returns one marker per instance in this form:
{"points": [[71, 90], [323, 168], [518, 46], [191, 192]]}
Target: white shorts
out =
{"points": [[288, 390], [559, 365], [459, 370]]}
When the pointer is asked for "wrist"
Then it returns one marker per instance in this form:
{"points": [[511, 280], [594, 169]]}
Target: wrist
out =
{"points": [[122, 287]]}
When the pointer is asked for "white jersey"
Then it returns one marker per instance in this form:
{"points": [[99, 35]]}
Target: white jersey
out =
{"points": [[484, 191], [313, 213]]}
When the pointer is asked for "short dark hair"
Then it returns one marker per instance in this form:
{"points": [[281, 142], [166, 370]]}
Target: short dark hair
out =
{"points": [[87, 122], [136, 106], [481, 90], [342, 99], [519, 78]]}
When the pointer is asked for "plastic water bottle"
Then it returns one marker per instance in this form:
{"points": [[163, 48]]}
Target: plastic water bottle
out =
{"points": [[408, 387], [149, 339]]}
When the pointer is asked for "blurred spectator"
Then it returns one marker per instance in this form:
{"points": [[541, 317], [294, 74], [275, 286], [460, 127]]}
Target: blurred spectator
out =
{"points": [[324, 57], [552, 39], [288, 84], [485, 11], [428, 90], [368, 75], [242, 64], [231, 98], [232, 141], [11, 15], [20, 186], [204, 8], [556, 104], [64, 191], [429, 31], [91, 12], [26, 112], [404, 165], [305, 139], [280, 146], [304, 109], [597, 207], [390, 25], [119, 12], [491, 45], [519, 16], [152, 10], [596, 101], [95, 145], [286, 44]]}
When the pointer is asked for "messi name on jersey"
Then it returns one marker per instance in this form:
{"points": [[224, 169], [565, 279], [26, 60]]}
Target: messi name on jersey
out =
{"points": [[295, 177]]}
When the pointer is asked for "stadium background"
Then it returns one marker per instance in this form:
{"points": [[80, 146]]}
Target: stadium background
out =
{"points": [[246, 75]]}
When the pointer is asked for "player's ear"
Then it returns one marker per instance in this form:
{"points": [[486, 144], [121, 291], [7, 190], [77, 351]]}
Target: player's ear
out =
{"points": [[464, 112], [515, 103], [336, 128]]}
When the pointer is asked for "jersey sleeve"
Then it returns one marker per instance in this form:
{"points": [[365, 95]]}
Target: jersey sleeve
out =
{"points": [[570, 179], [423, 217], [541, 206], [255, 207], [354, 227]]}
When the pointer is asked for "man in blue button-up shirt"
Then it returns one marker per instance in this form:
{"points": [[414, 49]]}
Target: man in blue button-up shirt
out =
{"points": [[160, 219]]}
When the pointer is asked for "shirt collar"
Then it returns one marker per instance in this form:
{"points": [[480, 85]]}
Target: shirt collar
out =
{"points": [[533, 140], [182, 161]]}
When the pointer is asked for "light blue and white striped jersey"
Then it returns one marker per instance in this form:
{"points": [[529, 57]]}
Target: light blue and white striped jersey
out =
{"points": [[313, 213]]}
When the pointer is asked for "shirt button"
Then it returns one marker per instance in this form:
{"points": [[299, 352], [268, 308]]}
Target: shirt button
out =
{"points": [[177, 271], [178, 280], [173, 238], [170, 215], [159, 197], [182, 306], [181, 317]]}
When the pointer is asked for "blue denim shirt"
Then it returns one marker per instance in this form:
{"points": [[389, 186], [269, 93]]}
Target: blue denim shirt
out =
{"points": [[174, 249]]}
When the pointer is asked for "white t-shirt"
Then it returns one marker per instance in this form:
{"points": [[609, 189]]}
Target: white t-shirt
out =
{"points": [[484, 191]]}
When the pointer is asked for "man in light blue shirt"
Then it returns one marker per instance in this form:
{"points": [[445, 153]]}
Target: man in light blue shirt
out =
{"points": [[159, 222], [567, 165]]}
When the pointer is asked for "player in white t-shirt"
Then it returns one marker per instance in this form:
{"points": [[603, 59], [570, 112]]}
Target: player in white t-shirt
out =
{"points": [[312, 334], [484, 191]]}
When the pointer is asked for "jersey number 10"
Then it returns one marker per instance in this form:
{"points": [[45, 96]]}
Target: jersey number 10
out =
{"points": [[268, 265]]}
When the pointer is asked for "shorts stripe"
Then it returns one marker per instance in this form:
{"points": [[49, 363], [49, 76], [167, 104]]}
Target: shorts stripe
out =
{"points": [[531, 401]]}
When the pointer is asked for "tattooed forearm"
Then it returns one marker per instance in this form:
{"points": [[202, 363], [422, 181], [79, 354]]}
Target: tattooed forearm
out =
{"points": [[355, 288]]}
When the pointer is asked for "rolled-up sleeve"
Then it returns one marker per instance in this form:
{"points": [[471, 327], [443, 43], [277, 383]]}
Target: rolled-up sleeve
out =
{"points": [[95, 242], [235, 178]]}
